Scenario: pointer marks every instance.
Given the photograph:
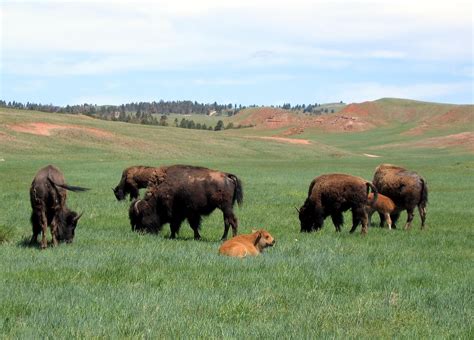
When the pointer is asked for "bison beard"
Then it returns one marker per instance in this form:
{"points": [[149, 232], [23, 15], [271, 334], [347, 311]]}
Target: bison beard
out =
{"points": [[331, 195], [48, 200], [187, 193]]}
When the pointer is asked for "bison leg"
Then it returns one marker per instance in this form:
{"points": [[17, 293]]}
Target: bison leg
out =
{"points": [[318, 222], [338, 220], [174, 226], [369, 216], [359, 215], [364, 221], [44, 230], [229, 220], [36, 226], [195, 223], [394, 217], [389, 221], [382, 219], [355, 221], [134, 192], [422, 211], [54, 230], [410, 215]]}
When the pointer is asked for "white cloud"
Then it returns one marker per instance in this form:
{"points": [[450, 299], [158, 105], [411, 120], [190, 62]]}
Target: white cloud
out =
{"points": [[87, 37]]}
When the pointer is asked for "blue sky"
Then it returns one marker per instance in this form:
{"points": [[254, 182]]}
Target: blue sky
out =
{"points": [[245, 52]]}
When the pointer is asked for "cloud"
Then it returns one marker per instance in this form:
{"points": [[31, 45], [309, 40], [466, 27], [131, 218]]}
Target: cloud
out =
{"points": [[228, 45], [107, 36]]}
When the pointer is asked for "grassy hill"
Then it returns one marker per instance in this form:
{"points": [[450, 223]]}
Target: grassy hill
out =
{"points": [[113, 283]]}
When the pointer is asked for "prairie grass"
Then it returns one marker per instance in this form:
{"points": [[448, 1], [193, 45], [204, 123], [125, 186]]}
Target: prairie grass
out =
{"points": [[113, 283]]}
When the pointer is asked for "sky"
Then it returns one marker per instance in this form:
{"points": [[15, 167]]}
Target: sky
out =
{"points": [[240, 51]]}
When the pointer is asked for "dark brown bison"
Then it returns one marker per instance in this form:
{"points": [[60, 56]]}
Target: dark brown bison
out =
{"points": [[135, 178], [331, 195], [407, 190], [48, 194], [187, 192]]}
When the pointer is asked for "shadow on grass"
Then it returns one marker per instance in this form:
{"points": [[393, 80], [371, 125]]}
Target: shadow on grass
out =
{"points": [[25, 242], [166, 236]]}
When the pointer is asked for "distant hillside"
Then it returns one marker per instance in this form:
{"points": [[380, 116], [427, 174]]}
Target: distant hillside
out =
{"points": [[423, 116], [426, 115]]}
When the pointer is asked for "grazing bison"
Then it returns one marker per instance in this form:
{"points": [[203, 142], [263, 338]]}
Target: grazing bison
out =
{"points": [[331, 195], [135, 178], [48, 201], [247, 245], [384, 206], [407, 190], [187, 192]]}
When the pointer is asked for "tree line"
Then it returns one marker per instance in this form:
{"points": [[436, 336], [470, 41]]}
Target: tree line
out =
{"points": [[142, 112], [148, 112]]}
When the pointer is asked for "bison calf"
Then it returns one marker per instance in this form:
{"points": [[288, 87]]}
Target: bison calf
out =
{"points": [[331, 195], [384, 206], [407, 190], [247, 245], [187, 192], [48, 200], [135, 178]]}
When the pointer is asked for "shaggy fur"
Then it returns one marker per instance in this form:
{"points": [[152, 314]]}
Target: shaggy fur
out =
{"points": [[135, 178], [247, 245], [331, 195], [48, 200], [384, 206], [187, 192], [407, 190]]}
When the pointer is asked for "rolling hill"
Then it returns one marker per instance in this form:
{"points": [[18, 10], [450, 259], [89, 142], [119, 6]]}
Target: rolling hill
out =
{"points": [[422, 124], [115, 283]]}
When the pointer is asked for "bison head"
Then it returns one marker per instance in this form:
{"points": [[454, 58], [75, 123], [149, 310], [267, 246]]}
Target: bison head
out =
{"points": [[67, 225], [308, 218], [264, 239], [119, 194], [143, 216]]}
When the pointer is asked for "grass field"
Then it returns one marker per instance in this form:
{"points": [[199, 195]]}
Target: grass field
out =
{"points": [[113, 283]]}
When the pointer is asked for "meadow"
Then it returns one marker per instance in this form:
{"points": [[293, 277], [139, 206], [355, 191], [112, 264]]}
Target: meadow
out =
{"points": [[111, 282]]}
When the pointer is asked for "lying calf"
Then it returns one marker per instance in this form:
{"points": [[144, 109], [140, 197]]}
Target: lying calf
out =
{"points": [[250, 244], [384, 206]]}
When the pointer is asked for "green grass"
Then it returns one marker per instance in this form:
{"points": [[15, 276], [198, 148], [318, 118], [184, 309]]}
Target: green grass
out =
{"points": [[113, 283]]}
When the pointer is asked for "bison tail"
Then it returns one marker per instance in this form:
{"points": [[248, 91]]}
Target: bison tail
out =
{"points": [[372, 187], [424, 194], [68, 187], [238, 191]]}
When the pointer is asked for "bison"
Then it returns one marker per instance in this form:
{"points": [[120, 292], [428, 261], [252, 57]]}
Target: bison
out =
{"points": [[331, 195], [187, 192], [135, 178], [384, 206], [48, 194], [407, 190], [247, 245]]}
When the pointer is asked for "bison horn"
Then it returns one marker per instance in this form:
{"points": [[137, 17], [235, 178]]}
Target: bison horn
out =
{"points": [[298, 210], [78, 217], [135, 208]]}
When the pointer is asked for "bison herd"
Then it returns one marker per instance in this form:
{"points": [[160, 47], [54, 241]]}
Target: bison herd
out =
{"points": [[182, 192]]}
